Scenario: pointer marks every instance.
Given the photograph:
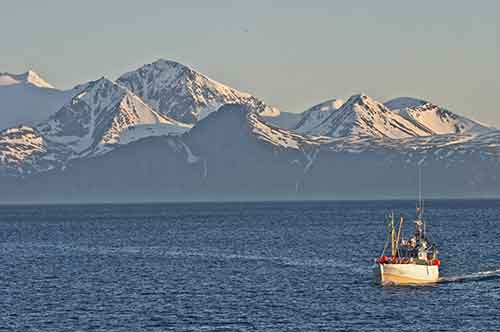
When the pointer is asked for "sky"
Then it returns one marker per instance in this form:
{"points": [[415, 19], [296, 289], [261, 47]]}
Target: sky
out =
{"points": [[291, 54]]}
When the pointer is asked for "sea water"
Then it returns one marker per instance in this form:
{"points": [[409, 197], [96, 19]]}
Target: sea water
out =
{"points": [[294, 266]]}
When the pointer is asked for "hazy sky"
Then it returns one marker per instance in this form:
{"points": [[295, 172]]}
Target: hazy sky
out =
{"points": [[292, 54]]}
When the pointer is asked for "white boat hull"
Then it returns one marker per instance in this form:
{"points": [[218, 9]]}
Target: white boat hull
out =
{"points": [[409, 274]]}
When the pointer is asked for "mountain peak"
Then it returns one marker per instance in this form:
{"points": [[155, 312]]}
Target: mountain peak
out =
{"points": [[362, 105], [440, 121], [102, 81], [315, 115], [182, 93], [102, 116], [98, 93], [363, 100], [35, 79], [402, 117], [404, 102], [362, 116], [329, 105], [168, 63], [29, 77]]}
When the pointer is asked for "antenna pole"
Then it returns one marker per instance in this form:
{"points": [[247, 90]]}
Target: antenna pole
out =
{"points": [[421, 196], [421, 199], [420, 191], [420, 207]]}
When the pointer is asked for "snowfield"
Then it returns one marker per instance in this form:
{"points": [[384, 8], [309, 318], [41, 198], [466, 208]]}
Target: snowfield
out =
{"points": [[137, 132]]}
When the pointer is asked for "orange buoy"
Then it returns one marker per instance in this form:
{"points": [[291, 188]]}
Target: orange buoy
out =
{"points": [[382, 260]]}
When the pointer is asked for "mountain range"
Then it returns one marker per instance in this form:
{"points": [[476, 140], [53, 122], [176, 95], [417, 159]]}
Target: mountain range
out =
{"points": [[168, 132]]}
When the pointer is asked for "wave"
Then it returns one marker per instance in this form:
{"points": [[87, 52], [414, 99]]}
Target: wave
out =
{"points": [[203, 253], [476, 276]]}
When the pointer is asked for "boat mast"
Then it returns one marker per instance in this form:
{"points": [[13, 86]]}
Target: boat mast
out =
{"points": [[399, 234], [419, 186], [393, 236]]}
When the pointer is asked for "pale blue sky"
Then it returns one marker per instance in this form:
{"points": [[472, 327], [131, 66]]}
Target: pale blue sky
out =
{"points": [[292, 54]]}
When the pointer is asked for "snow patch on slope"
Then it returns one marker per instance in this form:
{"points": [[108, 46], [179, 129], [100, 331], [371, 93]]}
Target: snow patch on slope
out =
{"points": [[137, 132], [439, 121], [314, 116], [18, 144], [280, 137]]}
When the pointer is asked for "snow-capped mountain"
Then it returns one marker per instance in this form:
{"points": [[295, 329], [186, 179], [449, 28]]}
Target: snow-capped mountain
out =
{"points": [[234, 154], [314, 116], [434, 119], [28, 99], [103, 115], [108, 138], [183, 93], [362, 116], [29, 77]]}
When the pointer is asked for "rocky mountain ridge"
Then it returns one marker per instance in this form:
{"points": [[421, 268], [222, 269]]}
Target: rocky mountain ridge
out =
{"points": [[166, 131]]}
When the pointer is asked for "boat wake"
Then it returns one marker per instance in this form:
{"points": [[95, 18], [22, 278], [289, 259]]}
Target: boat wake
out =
{"points": [[476, 276]]}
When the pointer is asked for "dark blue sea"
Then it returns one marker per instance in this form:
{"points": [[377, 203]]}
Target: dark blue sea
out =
{"points": [[296, 266]]}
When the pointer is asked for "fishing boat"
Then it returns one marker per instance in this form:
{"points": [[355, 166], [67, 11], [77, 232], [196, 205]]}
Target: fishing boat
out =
{"points": [[412, 260]]}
